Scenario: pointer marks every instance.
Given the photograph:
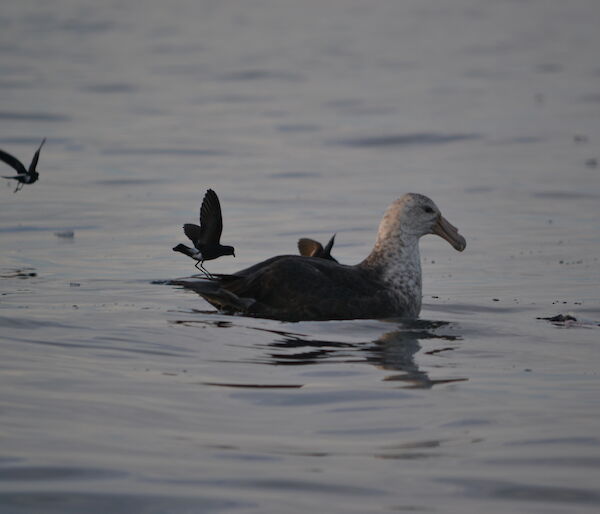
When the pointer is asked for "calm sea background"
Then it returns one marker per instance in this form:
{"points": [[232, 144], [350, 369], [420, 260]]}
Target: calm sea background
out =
{"points": [[121, 394]]}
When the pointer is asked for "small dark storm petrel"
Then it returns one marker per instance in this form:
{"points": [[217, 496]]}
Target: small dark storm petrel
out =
{"points": [[24, 176], [311, 248], [207, 236]]}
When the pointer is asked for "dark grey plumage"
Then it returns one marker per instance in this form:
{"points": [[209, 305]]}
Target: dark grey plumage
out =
{"points": [[24, 175], [329, 290]]}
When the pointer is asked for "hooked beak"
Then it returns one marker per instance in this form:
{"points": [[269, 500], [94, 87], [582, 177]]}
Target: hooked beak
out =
{"points": [[449, 232]]}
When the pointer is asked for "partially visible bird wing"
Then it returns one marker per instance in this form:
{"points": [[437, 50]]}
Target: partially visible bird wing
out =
{"points": [[193, 232], [309, 247], [13, 162], [36, 157], [328, 247], [211, 221]]}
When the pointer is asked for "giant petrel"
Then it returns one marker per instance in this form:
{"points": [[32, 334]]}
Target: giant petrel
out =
{"points": [[387, 283]]}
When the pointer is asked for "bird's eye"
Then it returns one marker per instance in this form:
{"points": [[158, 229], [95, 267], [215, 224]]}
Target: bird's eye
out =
{"points": [[428, 209]]}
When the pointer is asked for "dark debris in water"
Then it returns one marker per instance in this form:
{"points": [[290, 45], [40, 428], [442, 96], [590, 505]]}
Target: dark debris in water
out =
{"points": [[18, 273], [567, 320], [560, 318]]}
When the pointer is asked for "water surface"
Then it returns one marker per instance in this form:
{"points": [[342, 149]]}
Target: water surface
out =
{"points": [[122, 394]]}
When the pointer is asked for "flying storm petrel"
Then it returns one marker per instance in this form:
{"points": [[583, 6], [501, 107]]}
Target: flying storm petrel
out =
{"points": [[207, 236], [24, 176]]}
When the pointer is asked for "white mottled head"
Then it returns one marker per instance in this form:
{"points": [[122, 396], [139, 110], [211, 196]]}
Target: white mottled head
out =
{"points": [[396, 252], [414, 215]]}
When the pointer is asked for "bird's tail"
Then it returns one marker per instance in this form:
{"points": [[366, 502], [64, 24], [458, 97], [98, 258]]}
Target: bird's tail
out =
{"points": [[212, 292], [186, 250]]}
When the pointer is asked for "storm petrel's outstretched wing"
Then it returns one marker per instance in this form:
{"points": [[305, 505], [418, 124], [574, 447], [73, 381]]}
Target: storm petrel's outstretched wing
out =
{"points": [[211, 219], [211, 222], [36, 157], [13, 162]]}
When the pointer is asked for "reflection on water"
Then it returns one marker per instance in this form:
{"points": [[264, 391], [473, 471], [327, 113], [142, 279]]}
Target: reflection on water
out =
{"points": [[395, 350], [401, 140], [267, 75], [32, 116], [116, 503], [180, 152], [507, 490], [51, 473]]}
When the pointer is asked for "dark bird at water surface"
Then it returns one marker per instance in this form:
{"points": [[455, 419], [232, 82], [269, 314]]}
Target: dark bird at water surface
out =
{"points": [[386, 284], [24, 175], [311, 248], [207, 236]]}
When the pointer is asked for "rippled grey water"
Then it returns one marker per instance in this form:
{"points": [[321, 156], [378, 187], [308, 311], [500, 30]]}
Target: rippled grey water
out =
{"points": [[122, 394]]}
